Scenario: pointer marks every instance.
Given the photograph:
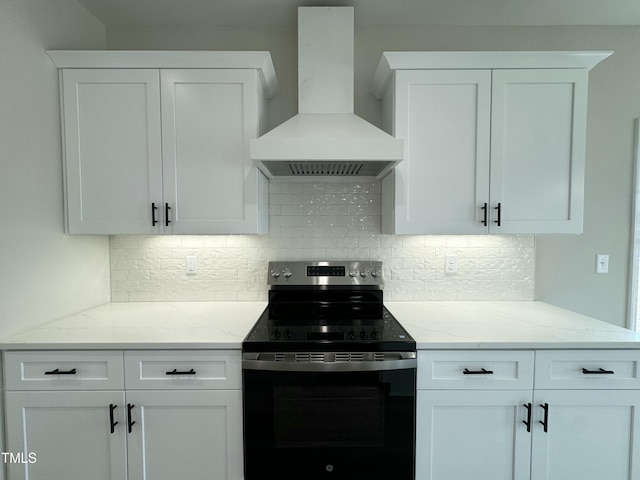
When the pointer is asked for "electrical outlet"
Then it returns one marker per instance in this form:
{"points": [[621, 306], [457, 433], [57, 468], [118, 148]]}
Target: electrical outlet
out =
{"points": [[602, 263], [451, 264], [192, 264]]}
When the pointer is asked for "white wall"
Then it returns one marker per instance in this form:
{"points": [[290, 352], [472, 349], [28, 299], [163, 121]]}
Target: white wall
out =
{"points": [[564, 265], [44, 274]]}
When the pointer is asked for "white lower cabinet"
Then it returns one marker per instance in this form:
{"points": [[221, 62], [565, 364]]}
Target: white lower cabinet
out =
{"points": [[65, 435], [591, 435], [586, 420], [470, 424], [195, 434], [470, 411], [472, 434], [191, 428]]}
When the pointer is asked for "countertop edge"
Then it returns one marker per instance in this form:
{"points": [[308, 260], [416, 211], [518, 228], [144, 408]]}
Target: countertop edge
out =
{"points": [[614, 345], [42, 346], [524, 325]]}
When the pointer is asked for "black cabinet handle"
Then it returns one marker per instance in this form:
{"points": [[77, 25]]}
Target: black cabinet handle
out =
{"points": [[166, 214], [112, 424], [600, 371], [466, 371], [130, 422], [176, 372], [545, 422], [499, 209], [57, 371], [485, 213], [527, 422], [154, 220]]}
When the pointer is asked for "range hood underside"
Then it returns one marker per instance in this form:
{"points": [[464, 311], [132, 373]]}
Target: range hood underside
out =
{"points": [[340, 144]]}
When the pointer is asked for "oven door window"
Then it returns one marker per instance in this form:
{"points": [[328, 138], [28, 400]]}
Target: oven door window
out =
{"points": [[328, 416]]}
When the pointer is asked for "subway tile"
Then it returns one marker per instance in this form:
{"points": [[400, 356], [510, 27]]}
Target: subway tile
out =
{"points": [[119, 296], [138, 297], [137, 274], [322, 220]]}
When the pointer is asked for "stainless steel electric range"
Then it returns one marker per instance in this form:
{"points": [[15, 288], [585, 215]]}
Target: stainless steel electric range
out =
{"points": [[329, 378]]}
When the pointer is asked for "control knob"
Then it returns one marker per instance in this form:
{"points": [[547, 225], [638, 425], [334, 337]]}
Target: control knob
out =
{"points": [[364, 273], [374, 335], [352, 335], [353, 273], [363, 334], [276, 335], [275, 273], [286, 272]]}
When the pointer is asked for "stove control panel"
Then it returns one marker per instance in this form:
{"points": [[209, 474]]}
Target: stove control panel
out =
{"points": [[296, 272]]}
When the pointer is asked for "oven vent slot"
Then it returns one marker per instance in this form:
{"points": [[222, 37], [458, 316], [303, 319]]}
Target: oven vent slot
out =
{"points": [[350, 357], [378, 357], [309, 357], [279, 357]]}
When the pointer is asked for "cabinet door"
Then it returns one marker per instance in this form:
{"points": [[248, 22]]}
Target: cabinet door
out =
{"points": [[194, 434], [472, 434], [66, 435], [591, 435], [537, 150], [113, 164], [210, 183], [442, 184]]}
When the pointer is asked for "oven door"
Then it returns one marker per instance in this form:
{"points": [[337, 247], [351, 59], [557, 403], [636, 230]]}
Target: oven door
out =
{"points": [[327, 421]]}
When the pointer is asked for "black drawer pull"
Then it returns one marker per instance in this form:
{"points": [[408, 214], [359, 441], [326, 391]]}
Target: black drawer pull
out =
{"points": [[545, 422], [466, 371], [484, 215], [112, 423], [57, 371], [166, 214], [130, 421], [527, 422], [176, 372], [600, 371], [154, 221]]}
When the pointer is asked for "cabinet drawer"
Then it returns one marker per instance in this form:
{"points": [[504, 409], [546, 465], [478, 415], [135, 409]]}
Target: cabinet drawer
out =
{"points": [[475, 370], [183, 369], [587, 369], [64, 370]]}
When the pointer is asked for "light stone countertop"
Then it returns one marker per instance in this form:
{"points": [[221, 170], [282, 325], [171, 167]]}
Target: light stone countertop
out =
{"points": [[223, 325], [506, 325], [145, 325]]}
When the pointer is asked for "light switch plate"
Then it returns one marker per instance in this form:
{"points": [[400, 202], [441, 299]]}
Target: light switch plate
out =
{"points": [[602, 263], [192, 264]]}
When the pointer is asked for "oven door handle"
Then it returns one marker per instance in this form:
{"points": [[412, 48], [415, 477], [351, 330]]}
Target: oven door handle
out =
{"points": [[289, 363]]}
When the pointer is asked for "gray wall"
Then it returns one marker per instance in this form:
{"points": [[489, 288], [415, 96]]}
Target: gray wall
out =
{"points": [[44, 274], [565, 264]]}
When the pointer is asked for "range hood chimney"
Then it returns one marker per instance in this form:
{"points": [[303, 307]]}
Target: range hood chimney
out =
{"points": [[326, 138]]}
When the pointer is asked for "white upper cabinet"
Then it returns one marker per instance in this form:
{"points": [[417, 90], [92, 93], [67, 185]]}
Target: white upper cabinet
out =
{"points": [[209, 181], [156, 149], [444, 153], [494, 141], [538, 128], [113, 158]]}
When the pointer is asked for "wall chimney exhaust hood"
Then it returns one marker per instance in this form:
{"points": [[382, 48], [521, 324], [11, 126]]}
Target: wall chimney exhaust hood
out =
{"points": [[326, 138]]}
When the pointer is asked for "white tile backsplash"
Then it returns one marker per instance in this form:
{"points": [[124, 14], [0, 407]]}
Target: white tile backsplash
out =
{"points": [[321, 220]]}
